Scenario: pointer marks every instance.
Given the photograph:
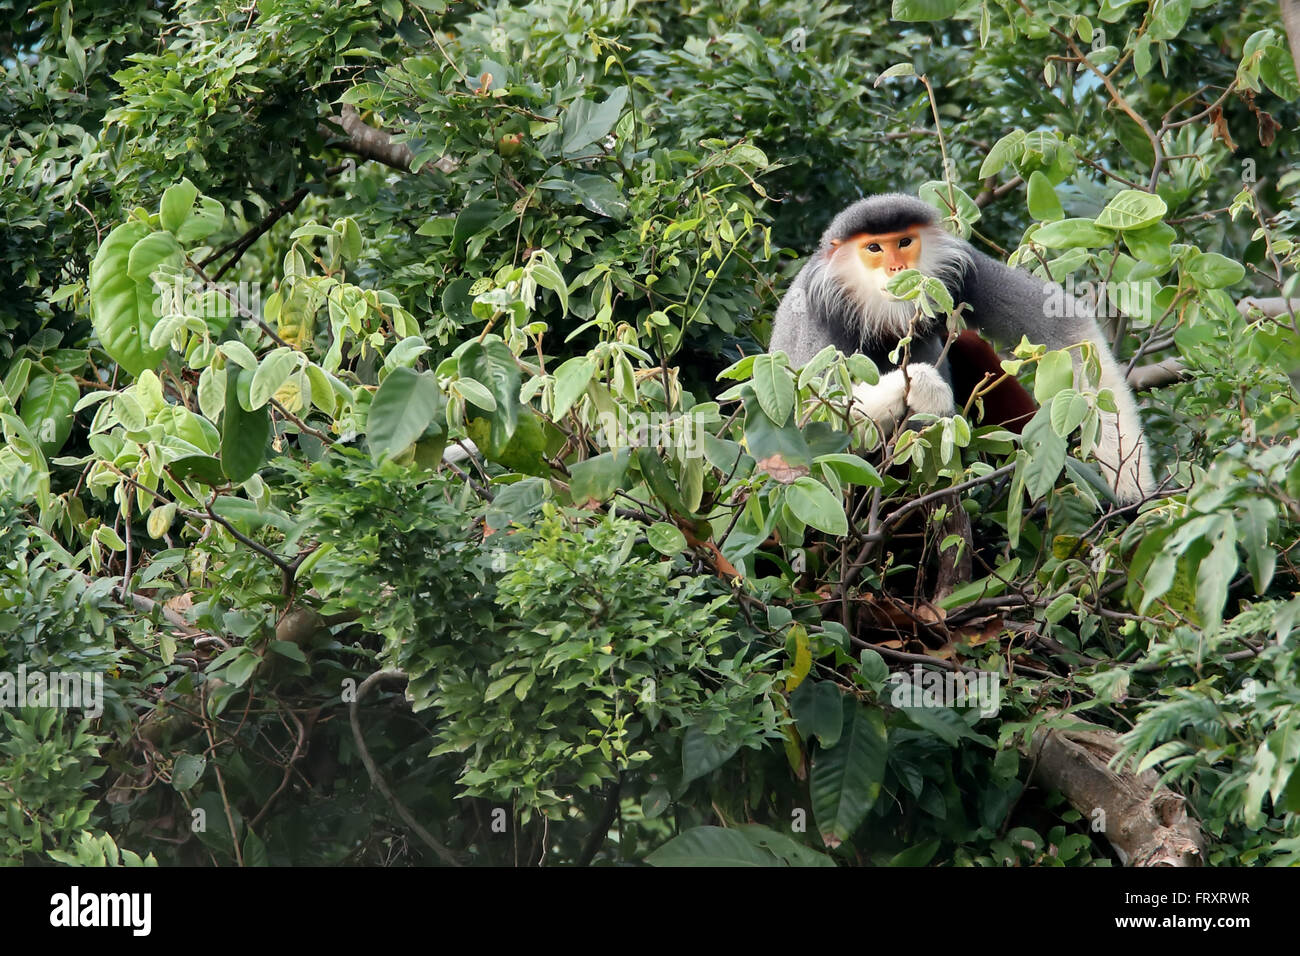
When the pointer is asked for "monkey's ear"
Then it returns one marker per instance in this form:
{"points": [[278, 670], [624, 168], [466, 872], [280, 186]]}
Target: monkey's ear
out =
{"points": [[835, 243]]}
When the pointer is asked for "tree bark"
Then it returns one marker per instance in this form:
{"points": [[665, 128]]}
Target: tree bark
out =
{"points": [[1291, 20], [1146, 825]]}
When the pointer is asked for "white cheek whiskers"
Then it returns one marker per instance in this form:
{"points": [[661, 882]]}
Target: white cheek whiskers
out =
{"points": [[880, 315]]}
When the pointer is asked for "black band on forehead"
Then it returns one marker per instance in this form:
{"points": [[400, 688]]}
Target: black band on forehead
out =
{"points": [[891, 212]]}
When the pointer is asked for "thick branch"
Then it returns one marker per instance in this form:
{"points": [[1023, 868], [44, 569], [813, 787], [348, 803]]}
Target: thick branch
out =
{"points": [[1146, 377], [1146, 825], [1271, 306], [370, 143], [1291, 20]]}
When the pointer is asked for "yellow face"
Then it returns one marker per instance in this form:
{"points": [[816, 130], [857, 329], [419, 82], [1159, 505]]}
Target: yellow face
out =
{"points": [[885, 254]]}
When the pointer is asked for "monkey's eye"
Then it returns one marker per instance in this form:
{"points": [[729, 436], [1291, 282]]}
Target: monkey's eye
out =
{"points": [[904, 242], [873, 247]]}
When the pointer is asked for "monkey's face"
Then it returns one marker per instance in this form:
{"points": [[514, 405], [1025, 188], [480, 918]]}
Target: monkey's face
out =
{"points": [[870, 260]]}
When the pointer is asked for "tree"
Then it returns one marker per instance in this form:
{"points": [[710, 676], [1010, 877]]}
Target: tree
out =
{"points": [[268, 265]]}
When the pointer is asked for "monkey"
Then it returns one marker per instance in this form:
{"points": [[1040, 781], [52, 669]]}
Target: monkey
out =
{"points": [[839, 298], [973, 363]]}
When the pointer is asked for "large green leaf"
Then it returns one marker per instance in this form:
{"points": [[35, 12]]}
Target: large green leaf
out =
{"points": [[1132, 209], [272, 372], [122, 307], [1209, 270], [773, 446], [176, 204], [594, 481], [711, 846], [47, 409], [703, 753], [774, 386], [847, 778], [1041, 197], [1046, 450], [203, 220], [407, 403], [571, 380], [818, 708], [492, 364], [656, 474], [922, 11], [473, 219], [1072, 233], [586, 121], [1170, 19], [244, 434], [817, 506]]}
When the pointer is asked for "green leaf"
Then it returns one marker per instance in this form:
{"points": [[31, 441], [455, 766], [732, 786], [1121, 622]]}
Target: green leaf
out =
{"points": [[666, 538], [703, 753], [187, 769], [898, 69], [919, 855], [546, 273], [149, 253], [1132, 209], [769, 443], [122, 308], [1006, 150], [202, 468], [1061, 605], [176, 203], [492, 364], [1072, 233], [272, 372], [1041, 196], [774, 386], [244, 434], [815, 505], [407, 403], [847, 778], [203, 221], [923, 11], [598, 193], [711, 846], [571, 380], [1069, 409], [501, 685], [852, 469], [475, 393], [47, 409], [1277, 70], [1216, 571], [1055, 373], [656, 475], [472, 220], [594, 481], [818, 708], [1209, 270], [586, 121], [1169, 19], [1046, 450], [1151, 244], [242, 667]]}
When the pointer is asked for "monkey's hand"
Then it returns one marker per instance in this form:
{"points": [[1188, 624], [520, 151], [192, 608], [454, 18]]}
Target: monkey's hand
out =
{"points": [[894, 398]]}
